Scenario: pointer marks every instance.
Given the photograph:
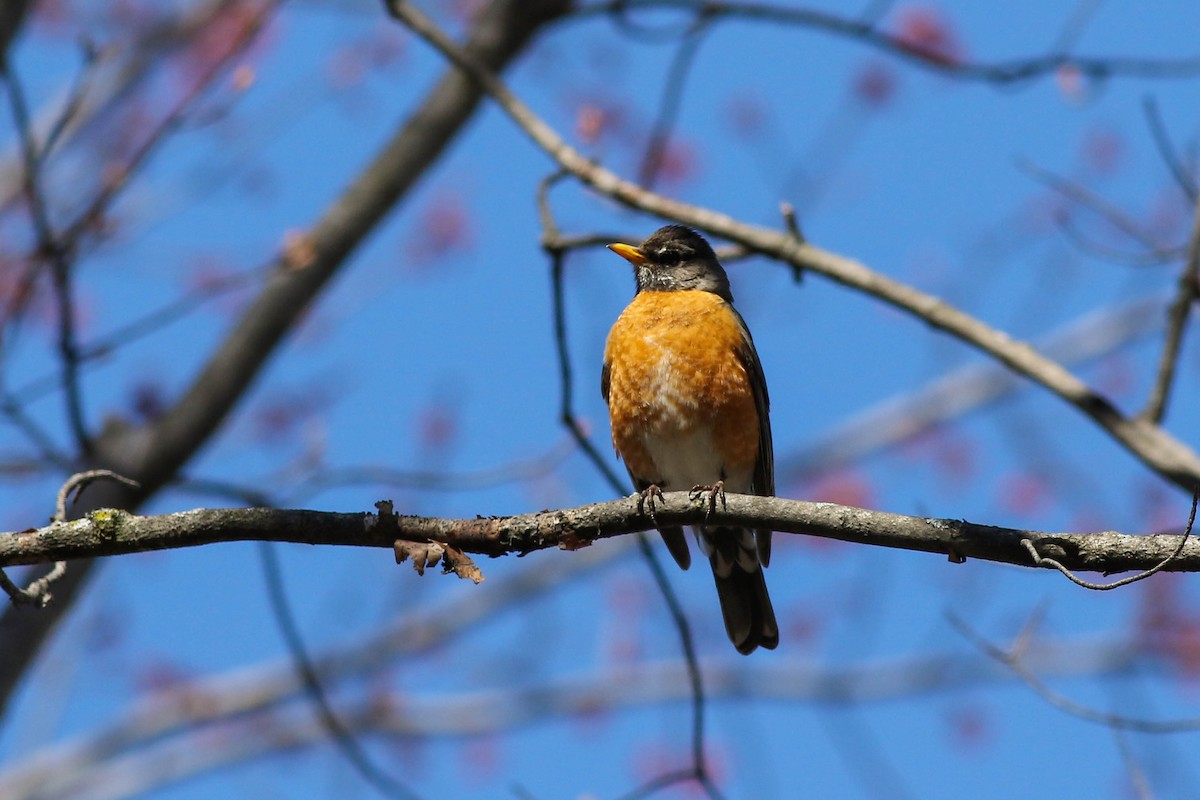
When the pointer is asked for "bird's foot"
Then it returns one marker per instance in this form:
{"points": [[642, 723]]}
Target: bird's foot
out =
{"points": [[647, 504], [714, 492]]}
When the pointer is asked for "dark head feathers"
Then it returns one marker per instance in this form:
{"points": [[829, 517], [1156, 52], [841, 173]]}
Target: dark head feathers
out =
{"points": [[676, 258]]}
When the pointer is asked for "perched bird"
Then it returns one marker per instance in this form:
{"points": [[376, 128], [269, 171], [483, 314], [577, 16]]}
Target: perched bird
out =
{"points": [[689, 411]]}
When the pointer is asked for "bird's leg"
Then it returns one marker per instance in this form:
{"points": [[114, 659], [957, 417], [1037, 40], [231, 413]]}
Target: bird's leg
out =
{"points": [[646, 501], [717, 490]]}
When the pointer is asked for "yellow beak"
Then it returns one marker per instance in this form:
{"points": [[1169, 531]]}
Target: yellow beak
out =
{"points": [[631, 254]]}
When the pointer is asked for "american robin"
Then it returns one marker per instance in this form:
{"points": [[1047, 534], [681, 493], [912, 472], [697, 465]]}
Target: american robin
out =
{"points": [[688, 405]]}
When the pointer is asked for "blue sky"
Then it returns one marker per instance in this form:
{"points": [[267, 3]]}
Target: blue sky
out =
{"points": [[929, 188]]}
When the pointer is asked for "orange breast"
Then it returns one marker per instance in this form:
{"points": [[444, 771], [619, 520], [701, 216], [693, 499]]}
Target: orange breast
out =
{"points": [[674, 367]]}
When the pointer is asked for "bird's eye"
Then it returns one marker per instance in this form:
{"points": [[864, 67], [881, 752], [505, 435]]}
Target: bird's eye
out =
{"points": [[671, 254]]}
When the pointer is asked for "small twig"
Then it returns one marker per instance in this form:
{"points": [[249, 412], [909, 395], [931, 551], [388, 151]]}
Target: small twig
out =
{"points": [[73, 486], [58, 253], [38, 591], [868, 32], [566, 372], [1177, 316], [1149, 257], [79, 481], [343, 737], [1073, 28], [1158, 130], [551, 238], [1062, 703], [700, 770], [789, 219], [793, 227], [672, 99], [1137, 776], [660, 782], [875, 11], [79, 90], [46, 446], [173, 120], [153, 322], [1040, 561], [1076, 193], [1028, 632]]}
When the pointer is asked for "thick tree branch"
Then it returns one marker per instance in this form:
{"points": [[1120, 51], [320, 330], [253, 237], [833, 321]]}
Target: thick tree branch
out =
{"points": [[108, 532], [1160, 451]]}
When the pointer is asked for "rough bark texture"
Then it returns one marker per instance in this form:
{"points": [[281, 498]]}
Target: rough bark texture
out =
{"points": [[108, 532]]}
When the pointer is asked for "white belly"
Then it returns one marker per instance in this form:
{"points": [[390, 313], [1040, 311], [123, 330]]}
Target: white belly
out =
{"points": [[689, 459]]}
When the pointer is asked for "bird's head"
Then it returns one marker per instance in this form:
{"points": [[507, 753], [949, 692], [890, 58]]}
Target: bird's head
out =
{"points": [[675, 258]]}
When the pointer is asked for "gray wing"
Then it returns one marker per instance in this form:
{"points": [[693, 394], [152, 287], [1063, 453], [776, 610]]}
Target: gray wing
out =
{"points": [[764, 467]]}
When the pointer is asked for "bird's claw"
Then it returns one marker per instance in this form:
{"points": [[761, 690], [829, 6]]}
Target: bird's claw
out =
{"points": [[647, 504], [714, 492]]}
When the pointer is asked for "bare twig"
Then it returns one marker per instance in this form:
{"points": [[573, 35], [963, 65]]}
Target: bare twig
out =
{"points": [[1076, 193], [1166, 151], [566, 372], [1177, 317], [46, 447], [1137, 776], [1073, 28], [658, 783], [700, 769], [12, 17], [152, 322], [792, 224], [672, 99], [78, 482], [788, 211], [867, 31], [1061, 702], [171, 122], [1147, 257], [58, 253], [1041, 561], [74, 102], [120, 72], [38, 592], [342, 735]]}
